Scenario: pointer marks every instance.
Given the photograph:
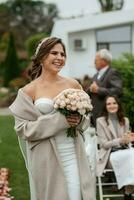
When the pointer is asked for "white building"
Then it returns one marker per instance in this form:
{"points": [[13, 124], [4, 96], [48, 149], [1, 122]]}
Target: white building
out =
{"points": [[84, 35]]}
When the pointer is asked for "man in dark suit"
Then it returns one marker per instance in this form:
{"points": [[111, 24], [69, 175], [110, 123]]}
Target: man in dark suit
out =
{"points": [[105, 82]]}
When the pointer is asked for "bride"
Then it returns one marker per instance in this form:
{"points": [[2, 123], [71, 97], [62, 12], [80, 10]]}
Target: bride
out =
{"points": [[57, 165]]}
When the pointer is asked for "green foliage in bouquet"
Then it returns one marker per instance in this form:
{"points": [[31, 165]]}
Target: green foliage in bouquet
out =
{"points": [[67, 112], [71, 132]]}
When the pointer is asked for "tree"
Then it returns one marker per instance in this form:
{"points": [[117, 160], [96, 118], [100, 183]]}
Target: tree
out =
{"points": [[4, 41], [109, 5], [5, 18], [11, 64], [26, 18], [126, 67]]}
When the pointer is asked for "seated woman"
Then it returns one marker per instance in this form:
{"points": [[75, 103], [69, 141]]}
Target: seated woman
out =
{"points": [[112, 129]]}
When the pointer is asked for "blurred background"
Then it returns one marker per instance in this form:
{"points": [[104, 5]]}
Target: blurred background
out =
{"points": [[85, 26]]}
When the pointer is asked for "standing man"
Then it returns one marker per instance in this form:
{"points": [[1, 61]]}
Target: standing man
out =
{"points": [[106, 81]]}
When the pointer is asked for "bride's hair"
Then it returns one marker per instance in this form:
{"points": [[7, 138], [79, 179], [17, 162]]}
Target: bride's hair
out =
{"points": [[42, 50]]}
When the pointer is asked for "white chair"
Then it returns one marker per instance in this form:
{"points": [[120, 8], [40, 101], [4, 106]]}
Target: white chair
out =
{"points": [[101, 184], [91, 144]]}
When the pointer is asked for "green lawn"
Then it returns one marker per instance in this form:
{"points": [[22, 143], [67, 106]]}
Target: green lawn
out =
{"points": [[10, 157]]}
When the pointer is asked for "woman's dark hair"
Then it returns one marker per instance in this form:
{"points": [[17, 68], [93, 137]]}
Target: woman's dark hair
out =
{"points": [[120, 113], [42, 50]]}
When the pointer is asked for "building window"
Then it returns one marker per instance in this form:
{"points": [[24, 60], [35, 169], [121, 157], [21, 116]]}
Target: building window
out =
{"points": [[79, 44], [101, 45], [116, 39]]}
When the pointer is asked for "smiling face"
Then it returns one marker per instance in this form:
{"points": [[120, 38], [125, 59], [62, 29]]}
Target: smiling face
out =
{"points": [[111, 105], [55, 60]]}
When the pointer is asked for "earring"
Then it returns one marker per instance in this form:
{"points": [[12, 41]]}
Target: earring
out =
{"points": [[41, 64]]}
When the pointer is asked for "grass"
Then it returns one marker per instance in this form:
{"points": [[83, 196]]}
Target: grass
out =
{"points": [[10, 157]]}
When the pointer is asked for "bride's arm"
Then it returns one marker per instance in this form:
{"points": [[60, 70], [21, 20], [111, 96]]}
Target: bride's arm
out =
{"points": [[44, 127]]}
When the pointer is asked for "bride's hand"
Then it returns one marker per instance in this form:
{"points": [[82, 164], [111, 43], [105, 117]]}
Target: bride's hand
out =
{"points": [[73, 119]]}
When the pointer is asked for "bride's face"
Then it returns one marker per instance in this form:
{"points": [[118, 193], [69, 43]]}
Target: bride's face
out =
{"points": [[111, 105], [55, 59]]}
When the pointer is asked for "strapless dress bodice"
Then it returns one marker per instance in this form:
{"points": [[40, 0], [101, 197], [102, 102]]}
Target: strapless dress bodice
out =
{"points": [[44, 105]]}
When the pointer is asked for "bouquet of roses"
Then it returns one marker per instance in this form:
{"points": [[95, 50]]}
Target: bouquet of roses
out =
{"points": [[73, 101]]}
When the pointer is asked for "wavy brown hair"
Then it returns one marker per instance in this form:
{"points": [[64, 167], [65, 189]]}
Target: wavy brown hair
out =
{"points": [[44, 47], [120, 113]]}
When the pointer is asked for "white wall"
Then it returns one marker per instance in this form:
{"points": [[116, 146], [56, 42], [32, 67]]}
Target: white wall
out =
{"points": [[81, 62]]}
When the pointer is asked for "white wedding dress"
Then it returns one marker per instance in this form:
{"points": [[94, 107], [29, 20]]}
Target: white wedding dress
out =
{"points": [[66, 149]]}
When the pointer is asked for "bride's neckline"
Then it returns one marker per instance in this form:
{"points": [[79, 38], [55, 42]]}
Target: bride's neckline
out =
{"points": [[51, 99], [43, 99]]}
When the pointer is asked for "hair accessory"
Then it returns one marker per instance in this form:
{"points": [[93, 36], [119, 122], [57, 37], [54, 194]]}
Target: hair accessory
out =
{"points": [[39, 45]]}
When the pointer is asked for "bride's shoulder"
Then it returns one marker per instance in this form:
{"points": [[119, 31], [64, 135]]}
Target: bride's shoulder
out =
{"points": [[73, 83], [29, 89]]}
